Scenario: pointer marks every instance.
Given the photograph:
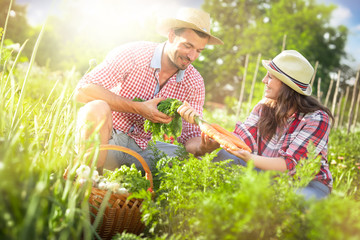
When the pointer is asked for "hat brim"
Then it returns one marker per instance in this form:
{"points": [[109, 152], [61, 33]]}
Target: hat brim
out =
{"points": [[164, 27], [286, 80]]}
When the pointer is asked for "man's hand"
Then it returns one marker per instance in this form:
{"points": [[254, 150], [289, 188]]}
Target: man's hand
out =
{"points": [[188, 113], [201, 145], [207, 144], [149, 111]]}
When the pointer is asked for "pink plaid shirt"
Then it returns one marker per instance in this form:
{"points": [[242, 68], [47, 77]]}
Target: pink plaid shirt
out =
{"points": [[301, 129], [129, 71]]}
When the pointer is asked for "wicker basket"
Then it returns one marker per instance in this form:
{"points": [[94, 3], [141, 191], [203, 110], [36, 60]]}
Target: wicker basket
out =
{"points": [[121, 214]]}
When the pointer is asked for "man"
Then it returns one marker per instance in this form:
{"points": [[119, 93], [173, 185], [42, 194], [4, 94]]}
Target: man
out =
{"points": [[150, 71]]}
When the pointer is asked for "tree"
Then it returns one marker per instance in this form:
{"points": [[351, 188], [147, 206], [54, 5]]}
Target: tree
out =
{"points": [[259, 26], [18, 29]]}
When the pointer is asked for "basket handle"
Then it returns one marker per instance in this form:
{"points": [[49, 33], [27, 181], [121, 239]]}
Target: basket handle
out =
{"points": [[148, 174]]}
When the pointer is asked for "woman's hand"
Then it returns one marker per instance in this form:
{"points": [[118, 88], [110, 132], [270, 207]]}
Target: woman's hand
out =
{"points": [[243, 154], [188, 113], [263, 163]]}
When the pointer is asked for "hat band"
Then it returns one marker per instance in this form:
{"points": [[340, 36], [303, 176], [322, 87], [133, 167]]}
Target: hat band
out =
{"points": [[302, 86]]}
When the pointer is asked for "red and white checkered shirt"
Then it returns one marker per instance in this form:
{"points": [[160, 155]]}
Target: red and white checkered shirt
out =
{"points": [[301, 129], [129, 71]]}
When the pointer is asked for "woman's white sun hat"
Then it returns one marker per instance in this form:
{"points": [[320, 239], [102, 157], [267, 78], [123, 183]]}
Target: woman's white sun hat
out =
{"points": [[293, 69], [189, 18]]}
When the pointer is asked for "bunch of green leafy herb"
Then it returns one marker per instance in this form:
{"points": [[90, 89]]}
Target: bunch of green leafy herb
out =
{"points": [[169, 107], [129, 177]]}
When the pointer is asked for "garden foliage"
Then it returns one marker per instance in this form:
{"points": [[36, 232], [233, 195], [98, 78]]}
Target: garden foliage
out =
{"points": [[200, 199], [169, 106], [194, 198]]}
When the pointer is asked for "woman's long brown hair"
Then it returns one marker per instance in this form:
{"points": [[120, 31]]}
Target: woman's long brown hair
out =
{"points": [[275, 112]]}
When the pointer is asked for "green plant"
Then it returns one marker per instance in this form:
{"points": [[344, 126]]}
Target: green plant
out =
{"points": [[200, 199], [169, 107], [126, 236], [307, 168], [344, 161], [36, 145], [129, 177]]}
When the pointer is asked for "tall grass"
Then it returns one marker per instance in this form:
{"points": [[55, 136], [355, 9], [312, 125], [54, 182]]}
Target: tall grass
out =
{"points": [[36, 146]]}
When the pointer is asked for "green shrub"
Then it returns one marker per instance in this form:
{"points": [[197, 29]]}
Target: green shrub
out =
{"points": [[200, 199], [344, 160]]}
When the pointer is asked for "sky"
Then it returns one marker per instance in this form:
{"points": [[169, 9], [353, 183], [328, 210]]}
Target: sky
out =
{"points": [[347, 13], [38, 9]]}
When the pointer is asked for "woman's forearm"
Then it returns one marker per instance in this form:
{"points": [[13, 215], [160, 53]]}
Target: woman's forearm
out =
{"points": [[269, 163]]}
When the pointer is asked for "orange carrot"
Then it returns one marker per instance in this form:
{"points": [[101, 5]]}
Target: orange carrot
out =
{"points": [[217, 136], [235, 140]]}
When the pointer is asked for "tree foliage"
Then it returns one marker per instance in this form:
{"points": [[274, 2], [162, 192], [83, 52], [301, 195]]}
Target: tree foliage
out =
{"points": [[71, 38], [259, 26], [18, 28], [246, 27]]}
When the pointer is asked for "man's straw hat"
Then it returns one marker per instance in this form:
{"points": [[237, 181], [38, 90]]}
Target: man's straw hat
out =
{"points": [[293, 69], [189, 18]]}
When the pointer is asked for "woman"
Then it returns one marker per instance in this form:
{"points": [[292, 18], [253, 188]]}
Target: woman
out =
{"points": [[283, 124]]}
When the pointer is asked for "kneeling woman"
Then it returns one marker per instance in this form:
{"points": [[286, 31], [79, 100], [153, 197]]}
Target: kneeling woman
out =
{"points": [[283, 124]]}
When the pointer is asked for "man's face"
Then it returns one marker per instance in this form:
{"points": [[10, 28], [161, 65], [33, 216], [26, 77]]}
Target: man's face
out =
{"points": [[185, 48]]}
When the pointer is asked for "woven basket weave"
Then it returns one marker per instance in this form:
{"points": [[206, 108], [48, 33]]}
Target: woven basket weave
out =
{"points": [[120, 214]]}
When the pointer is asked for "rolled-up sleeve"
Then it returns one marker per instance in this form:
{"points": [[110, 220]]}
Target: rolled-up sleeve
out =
{"points": [[111, 71]]}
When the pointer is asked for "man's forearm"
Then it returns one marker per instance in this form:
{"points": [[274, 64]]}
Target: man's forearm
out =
{"points": [[94, 92]]}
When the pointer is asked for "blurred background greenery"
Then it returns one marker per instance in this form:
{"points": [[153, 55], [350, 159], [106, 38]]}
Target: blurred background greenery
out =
{"points": [[77, 31]]}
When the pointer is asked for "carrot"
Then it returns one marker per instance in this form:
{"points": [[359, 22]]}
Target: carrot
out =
{"points": [[217, 136], [235, 140]]}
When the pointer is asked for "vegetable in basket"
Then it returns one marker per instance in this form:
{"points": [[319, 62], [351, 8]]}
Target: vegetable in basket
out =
{"points": [[122, 180]]}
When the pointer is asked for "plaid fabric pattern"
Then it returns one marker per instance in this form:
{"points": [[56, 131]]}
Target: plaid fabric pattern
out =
{"points": [[126, 72], [301, 129]]}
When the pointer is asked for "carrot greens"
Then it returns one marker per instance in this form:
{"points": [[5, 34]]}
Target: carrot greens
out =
{"points": [[169, 107]]}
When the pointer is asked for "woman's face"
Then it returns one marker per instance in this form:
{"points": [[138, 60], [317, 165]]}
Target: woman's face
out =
{"points": [[272, 86]]}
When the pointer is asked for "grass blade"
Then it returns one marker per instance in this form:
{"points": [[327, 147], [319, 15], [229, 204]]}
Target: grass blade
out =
{"points": [[27, 76]]}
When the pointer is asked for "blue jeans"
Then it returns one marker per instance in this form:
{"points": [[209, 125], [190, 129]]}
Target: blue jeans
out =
{"points": [[315, 189], [115, 159]]}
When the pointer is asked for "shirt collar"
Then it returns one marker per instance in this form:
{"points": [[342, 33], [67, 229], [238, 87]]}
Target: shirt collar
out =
{"points": [[156, 61], [296, 115]]}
